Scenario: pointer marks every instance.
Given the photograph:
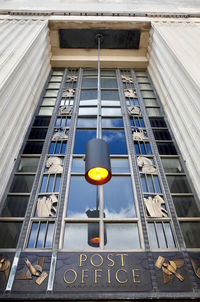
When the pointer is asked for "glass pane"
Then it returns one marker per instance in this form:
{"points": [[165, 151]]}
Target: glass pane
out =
{"points": [[169, 236], [33, 234], [42, 121], [120, 165], [108, 73], [87, 123], [150, 102], [90, 82], [38, 133], [51, 93], [33, 148], [22, 183], [56, 79], [118, 198], [44, 184], [15, 206], [57, 184], [50, 184], [87, 111], [148, 94], [88, 94], [41, 235], [89, 103], [140, 74], [111, 112], [109, 83], [82, 197], [127, 232], [152, 235], [153, 112], [144, 183], [162, 135], [158, 122], [46, 111], [87, 72], [166, 149], [28, 164], [145, 86], [81, 139], [116, 140], [191, 231], [172, 165], [161, 236], [76, 236], [111, 103], [53, 86], [110, 95], [57, 72], [186, 206], [48, 101], [112, 122], [78, 165], [157, 184], [178, 184], [49, 237], [9, 234]]}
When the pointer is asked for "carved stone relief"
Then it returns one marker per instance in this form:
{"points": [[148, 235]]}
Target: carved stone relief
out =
{"points": [[169, 268], [130, 93], [196, 268], [68, 93], [146, 165], [61, 134], [154, 206], [139, 135], [54, 164], [133, 110], [65, 110], [127, 79], [45, 206], [71, 78], [5, 267]]}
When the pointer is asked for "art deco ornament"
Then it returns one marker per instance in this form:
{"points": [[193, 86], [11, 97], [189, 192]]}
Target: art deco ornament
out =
{"points": [[61, 134], [133, 110], [196, 269], [139, 135], [146, 165], [54, 165], [65, 110], [71, 78], [45, 206], [68, 93], [5, 267], [130, 93], [34, 270], [154, 206], [169, 268], [127, 79]]}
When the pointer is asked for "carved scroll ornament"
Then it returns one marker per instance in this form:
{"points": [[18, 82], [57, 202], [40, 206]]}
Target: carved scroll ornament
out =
{"points": [[146, 165], [71, 78], [133, 110], [54, 165], [68, 93], [130, 93], [45, 206], [154, 206]]}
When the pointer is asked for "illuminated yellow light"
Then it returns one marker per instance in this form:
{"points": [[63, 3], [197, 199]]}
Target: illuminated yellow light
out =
{"points": [[98, 174], [95, 240]]}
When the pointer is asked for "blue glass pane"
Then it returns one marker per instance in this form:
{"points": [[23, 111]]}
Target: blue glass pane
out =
{"points": [[57, 184], [143, 151], [142, 123], [148, 148], [144, 184], [58, 145], [49, 238], [41, 236], [150, 184], [44, 184], [116, 140], [78, 165], [137, 149], [109, 95], [52, 147], [82, 197], [33, 234], [63, 149], [120, 165], [118, 198], [87, 123], [88, 94], [112, 122], [157, 184], [82, 137], [50, 184], [58, 122]]}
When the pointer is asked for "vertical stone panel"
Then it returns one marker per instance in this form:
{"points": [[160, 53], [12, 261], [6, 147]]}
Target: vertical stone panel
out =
{"points": [[24, 67], [174, 67]]}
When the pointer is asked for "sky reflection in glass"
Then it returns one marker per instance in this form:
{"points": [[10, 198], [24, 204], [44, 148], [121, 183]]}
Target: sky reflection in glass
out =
{"points": [[116, 141]]}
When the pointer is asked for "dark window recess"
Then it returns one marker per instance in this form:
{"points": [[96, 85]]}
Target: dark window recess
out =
{"points": [[33, 148], [37, 133], [162, 135], [186, 206], [157, 122], [41, 121], [166, 149], [178, 184], [191, 231], [112, 95], [112, 39], [22, 184], [9, 234], [15, 206]]}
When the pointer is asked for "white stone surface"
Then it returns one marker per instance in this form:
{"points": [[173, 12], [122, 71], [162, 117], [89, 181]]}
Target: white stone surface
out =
{"points": [[129, 6], [24, 67], [174, 66]]}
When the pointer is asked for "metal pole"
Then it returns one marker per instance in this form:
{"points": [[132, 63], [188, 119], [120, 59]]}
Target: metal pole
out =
{"points": [[99, 37]]}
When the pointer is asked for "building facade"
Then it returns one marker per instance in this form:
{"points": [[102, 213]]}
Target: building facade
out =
{"points": [[136, 237]]}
